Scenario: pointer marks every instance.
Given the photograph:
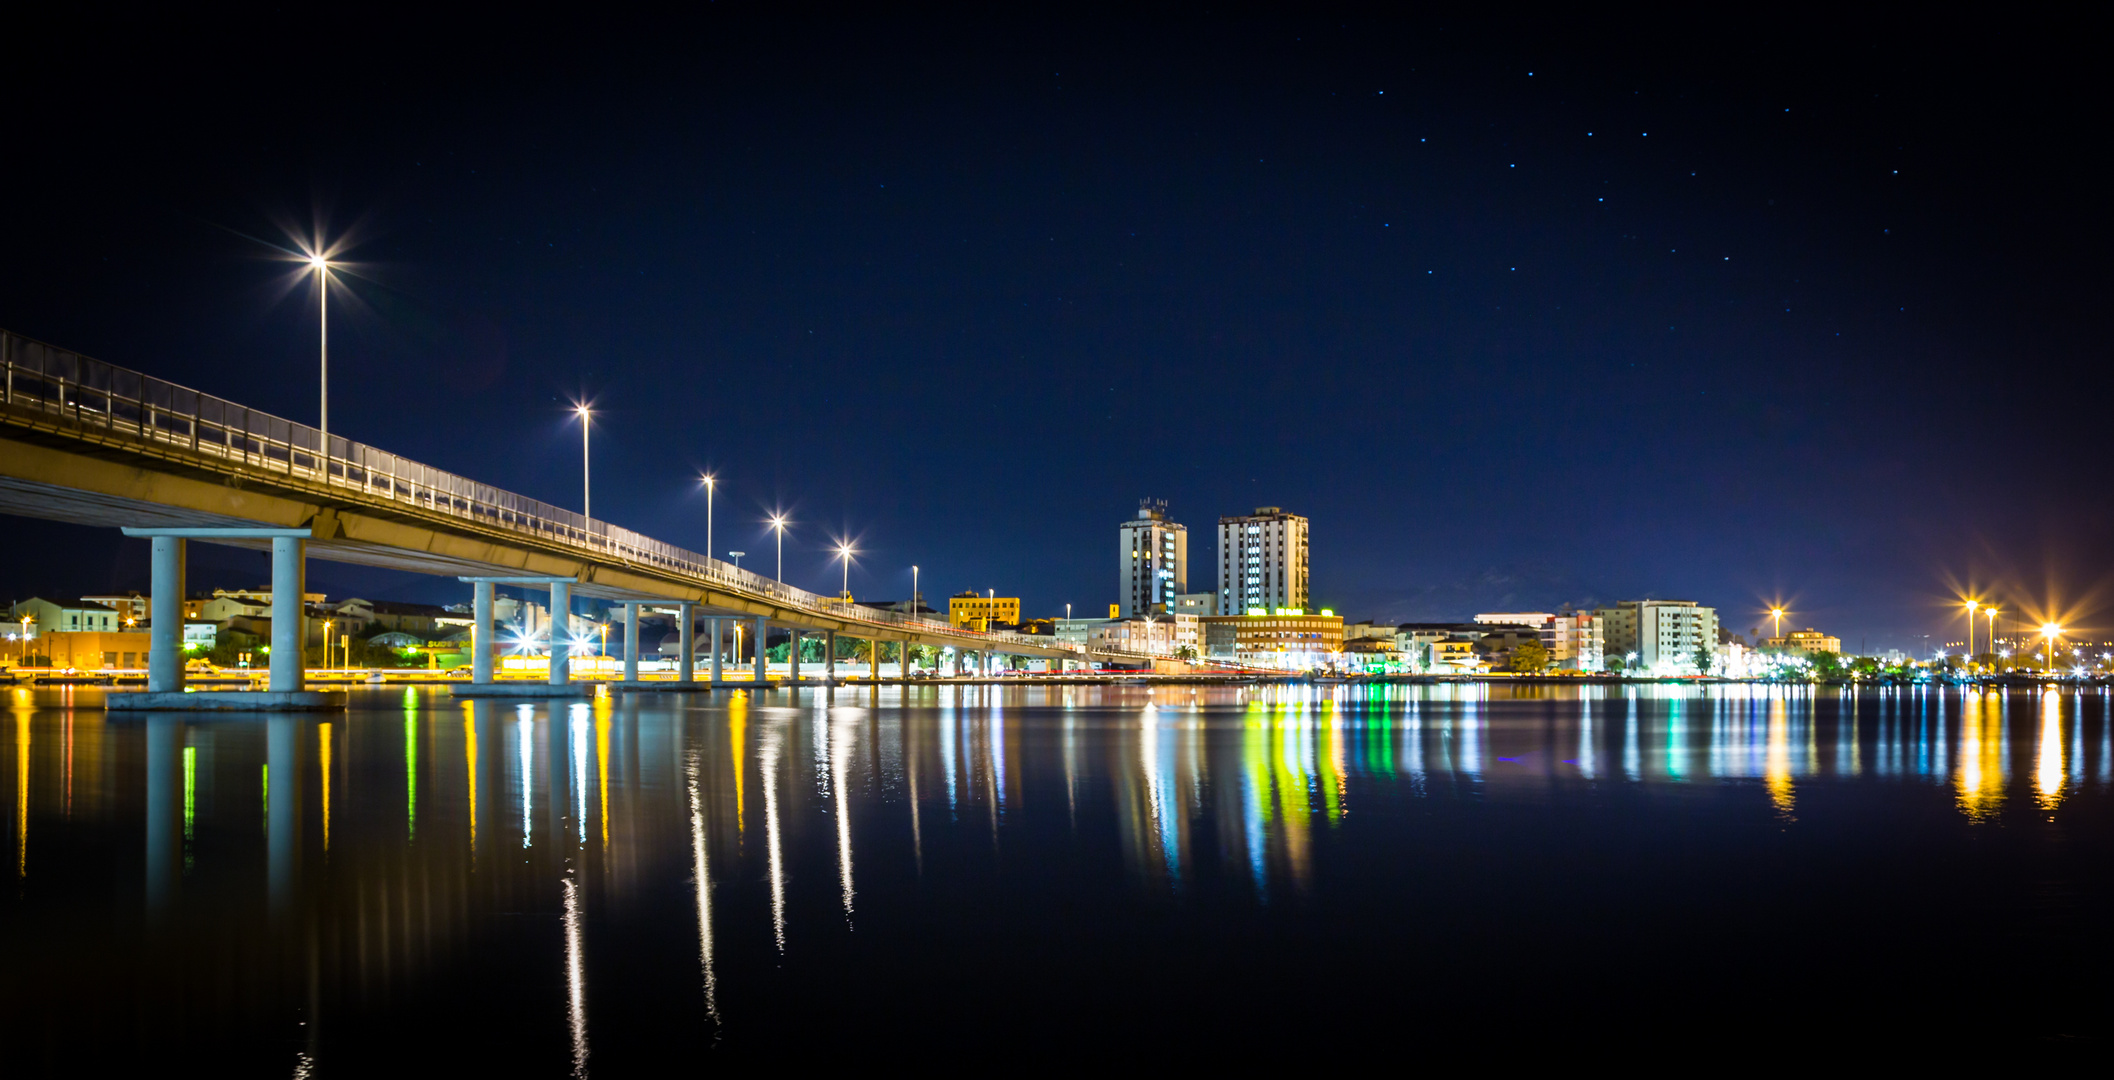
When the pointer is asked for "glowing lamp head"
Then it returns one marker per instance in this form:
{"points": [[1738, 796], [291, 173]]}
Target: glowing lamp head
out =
{"points": [[2050, 630], [319, 262]]}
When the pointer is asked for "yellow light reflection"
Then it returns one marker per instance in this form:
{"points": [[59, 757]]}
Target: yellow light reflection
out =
{"points": [[1980, 778], [411, 777], [323, 749], [1776, 765], [190, 804], [2048, 770], [469, 757], [22, 794], [737, 726], [602, 768]]}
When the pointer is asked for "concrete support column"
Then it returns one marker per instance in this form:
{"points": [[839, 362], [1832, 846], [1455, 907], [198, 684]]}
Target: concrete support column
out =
{"points": [[873, 661], [718, 649], [756, 647], [686, 638], [289, 615], [561, 629], [631, 642], [165, 638], [792, 657], [829, 655], [481, 633]]}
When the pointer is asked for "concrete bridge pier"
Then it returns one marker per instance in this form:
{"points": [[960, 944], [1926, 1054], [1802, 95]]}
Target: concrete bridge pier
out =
{"points": [[165, 661], [561, 666], [483, 682], [718, 653], [792, 657], [631, 642], [762, 660], [829, 656], [686, 638]]}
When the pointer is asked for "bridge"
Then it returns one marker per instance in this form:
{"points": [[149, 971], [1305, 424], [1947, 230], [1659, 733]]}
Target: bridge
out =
{"points": [[91, 443]]}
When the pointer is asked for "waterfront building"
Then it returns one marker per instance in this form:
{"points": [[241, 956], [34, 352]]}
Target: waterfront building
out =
{"points": [[1078, 631], [1663, 634], [1576, 640], [1287, 640], [130, 606], [91, 650], [1199, 604], [67, 613], [978, 611], [1805, 642], [1162, 635], [1152, 554], [1262, 562]]}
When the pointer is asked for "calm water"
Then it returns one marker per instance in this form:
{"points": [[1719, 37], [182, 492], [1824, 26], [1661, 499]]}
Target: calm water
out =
{"points": [[984, 877]]}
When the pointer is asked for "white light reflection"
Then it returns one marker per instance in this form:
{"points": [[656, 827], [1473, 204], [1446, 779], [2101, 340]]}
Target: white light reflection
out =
{"points": [[839, 764], [575, 979], [525, 734], [580, 726], [700, 869], [767, 761]]}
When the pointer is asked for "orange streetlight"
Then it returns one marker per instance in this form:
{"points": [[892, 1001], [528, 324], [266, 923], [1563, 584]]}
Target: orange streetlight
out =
{"points": [[1971, 606], [2051, 632]]}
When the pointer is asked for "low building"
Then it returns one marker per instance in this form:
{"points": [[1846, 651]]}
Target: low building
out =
{"points": [[1806, 642], [976, 611], [66, 614], [131, 606], [1077, 631], [93, 650], [1288, 640], [225, 604], [1455, 656]]}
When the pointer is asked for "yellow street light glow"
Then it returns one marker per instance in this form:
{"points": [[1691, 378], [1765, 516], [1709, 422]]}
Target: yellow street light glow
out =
{"points": [[2050, 630]]}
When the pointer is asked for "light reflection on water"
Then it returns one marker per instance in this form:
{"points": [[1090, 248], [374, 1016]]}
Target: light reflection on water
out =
{"points": [[1185, 791]]}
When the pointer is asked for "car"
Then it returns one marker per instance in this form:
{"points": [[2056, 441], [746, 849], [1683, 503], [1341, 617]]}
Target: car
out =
{"points": [[200, 667]]}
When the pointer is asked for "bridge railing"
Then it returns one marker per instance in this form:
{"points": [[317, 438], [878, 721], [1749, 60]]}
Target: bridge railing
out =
{"points": [[87, 394]]}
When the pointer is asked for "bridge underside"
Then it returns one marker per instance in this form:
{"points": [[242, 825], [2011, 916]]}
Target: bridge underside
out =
{"points": [[101, 488]]}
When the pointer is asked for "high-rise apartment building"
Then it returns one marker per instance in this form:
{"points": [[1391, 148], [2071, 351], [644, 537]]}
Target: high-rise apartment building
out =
{"points": [[1153, 552], [1576, 640], [1262, 562], [1663, 634]]}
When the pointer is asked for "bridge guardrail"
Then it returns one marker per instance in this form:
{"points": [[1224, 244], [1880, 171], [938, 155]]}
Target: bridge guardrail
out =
{"points": [[128, 404]]}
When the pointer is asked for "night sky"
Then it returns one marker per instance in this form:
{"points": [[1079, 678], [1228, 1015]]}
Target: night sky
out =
{"points": [[1518, 314]]}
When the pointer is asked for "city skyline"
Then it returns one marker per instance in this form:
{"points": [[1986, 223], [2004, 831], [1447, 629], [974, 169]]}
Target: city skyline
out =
{"points": [[1514, 329]]}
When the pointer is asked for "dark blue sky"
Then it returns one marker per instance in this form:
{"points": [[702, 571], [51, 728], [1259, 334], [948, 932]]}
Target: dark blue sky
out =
{"points": [[1518, 314]]}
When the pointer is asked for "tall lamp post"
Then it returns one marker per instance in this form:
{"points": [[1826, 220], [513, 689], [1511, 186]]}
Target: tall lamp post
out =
{"points": [[322, 266], [1778, 614], [710, 482], [844, 551], [778, 525], [2051, 632], [586, 501], [1971, 606], [1991, 611], [915, 607]]}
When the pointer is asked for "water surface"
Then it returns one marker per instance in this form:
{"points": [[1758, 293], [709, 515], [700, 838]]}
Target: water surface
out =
{"points": [[972, 877]]}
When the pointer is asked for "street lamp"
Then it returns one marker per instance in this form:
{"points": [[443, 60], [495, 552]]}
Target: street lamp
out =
{"points": [[778, 524], [2051, 632], [322, 266], [1971, 606], [845, 552], [1778, 614], [1991, 611], [710, 481], [916, 609], [736, 555], [586, 503]]}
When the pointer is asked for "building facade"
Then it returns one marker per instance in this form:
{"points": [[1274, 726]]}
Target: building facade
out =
{"points": [[977, 612], [1576, 640], [1200, 604], [1152, 554], [1262, 562], [1662, 635], [69, 614], [1806, 642], [1283, 641]]}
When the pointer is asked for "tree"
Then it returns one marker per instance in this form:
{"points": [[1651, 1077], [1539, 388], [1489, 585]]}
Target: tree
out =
{"points": [[1705, 658], [1185, 653], [1530, 658], [1828, 667]]}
